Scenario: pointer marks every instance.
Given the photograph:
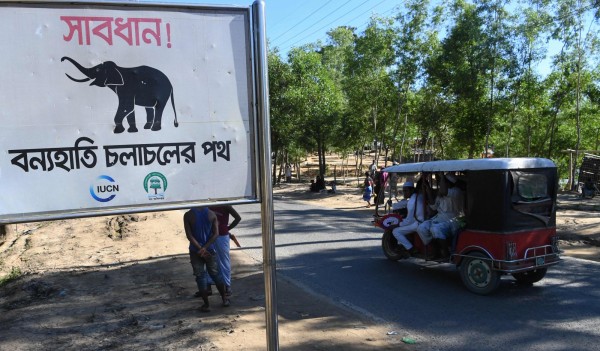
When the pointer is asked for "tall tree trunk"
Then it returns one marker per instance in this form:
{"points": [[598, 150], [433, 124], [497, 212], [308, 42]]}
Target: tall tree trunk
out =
{"points": [[323, 167], [359, 163], [280, 173], [578, 112], [274, 170], [551, 138], [403, 137], [321, 153]]}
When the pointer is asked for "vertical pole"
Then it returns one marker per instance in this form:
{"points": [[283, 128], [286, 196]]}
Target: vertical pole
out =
{"points": [[571, 172], [268, 235]]}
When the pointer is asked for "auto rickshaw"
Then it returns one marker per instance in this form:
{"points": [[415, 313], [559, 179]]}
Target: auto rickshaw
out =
{"points": [[509, 223]]}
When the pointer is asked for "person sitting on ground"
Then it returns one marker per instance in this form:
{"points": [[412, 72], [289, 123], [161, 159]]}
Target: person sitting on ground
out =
{"points": [[449, 205], [589, 188], [415, 214], [333, 188]]}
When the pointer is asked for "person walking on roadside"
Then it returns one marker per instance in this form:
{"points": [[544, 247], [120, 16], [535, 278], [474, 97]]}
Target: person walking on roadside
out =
{"points": [[368, 192], [372, 169], [222, 243], [202, 229], [288, 173]]}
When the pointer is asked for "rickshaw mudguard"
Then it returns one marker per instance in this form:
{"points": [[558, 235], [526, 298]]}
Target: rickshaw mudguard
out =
{"points": [[510, 252]]}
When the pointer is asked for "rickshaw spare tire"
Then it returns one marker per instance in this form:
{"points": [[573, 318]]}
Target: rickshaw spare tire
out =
{"points": [[391, 247], [530, 277], [477, 274]]}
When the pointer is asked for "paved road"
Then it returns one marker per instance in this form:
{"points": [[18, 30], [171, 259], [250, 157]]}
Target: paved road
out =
{"points": [[340, 257]]}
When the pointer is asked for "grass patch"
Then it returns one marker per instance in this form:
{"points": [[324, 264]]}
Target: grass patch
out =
{"points": [[14, 274]]}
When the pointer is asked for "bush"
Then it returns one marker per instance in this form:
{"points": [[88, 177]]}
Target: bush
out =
{"points": [[14, 274]]}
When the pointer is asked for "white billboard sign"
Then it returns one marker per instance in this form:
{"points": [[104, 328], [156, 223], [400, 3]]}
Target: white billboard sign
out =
{"points": [[108, 107]]}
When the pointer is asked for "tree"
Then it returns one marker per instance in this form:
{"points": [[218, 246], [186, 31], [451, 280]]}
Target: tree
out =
{"points": [[369, 86], [316, 99], [578, 44], [460, 71], [155, 184], [415, 42], [284, 131]]}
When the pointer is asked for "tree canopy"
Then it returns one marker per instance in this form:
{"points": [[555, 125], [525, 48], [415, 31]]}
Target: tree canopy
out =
{"points": [[446, 79]]}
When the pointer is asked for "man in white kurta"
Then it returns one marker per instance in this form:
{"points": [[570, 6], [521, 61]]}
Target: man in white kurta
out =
{"points": [[449, 205], [415, 215]]}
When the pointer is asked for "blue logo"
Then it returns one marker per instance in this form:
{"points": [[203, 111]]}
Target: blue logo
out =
{"points": [[104, 189]]}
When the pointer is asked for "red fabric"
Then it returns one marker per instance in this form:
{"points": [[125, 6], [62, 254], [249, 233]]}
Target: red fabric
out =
{"points": [[223, 218]]}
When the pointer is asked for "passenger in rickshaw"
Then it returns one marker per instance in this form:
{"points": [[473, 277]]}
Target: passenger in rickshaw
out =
{"points": [[449, 206], [415, 215]]}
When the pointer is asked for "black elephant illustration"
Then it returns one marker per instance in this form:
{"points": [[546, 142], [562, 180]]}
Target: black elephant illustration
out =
{"points": [[142, 86]]}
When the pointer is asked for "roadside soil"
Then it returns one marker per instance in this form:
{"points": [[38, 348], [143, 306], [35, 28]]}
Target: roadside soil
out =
{"points": [[124, 283]]}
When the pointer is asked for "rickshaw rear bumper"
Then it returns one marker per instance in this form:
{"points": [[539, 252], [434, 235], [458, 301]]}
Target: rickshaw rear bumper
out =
{"points": [[527, 264], [534, 258]]}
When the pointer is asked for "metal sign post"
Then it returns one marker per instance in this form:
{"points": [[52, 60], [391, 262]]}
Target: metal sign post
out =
{"points": [[266, 186], [137, 107]]}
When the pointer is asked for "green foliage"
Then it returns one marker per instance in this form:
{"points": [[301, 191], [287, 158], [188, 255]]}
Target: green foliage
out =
{"points": [[447, 77], [15, 273]]}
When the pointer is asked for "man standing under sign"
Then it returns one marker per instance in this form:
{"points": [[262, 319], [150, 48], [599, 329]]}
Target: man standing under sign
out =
{"points": [[202, 229], [222, 243]]}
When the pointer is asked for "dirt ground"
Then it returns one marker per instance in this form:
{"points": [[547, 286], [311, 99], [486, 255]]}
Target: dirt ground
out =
{"points": [[124, 283]]}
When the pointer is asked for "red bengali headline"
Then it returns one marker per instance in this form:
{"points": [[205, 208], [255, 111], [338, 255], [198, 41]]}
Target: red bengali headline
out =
{"points": [[130, 30]]}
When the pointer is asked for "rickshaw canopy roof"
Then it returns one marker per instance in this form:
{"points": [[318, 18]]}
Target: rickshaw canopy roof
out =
{"points": [[472, 165]]}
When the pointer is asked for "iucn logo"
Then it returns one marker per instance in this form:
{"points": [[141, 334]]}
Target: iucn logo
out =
{"points": [[104, 189]]}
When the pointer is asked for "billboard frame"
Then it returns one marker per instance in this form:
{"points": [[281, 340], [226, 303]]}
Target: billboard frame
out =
{"points": [[253, 85]]}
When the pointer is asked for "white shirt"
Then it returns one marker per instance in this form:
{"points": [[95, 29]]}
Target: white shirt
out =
{"points": [[449, 206], [412, 212]]}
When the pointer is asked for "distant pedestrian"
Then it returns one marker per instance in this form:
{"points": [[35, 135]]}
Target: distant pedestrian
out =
{"points": [[288, 173], [202, 229], [368, 191], [372, 169]]}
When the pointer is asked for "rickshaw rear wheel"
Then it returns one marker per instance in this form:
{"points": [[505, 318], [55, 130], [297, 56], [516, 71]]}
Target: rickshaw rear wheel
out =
{"points": [[477, 274], [530, 277], [391, 247]]}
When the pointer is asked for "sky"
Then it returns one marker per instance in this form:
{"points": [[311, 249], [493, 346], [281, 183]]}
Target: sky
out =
{"points": [[294, 23]]}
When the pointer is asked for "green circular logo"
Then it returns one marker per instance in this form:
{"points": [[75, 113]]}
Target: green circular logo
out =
{"points": [[155, 181]]}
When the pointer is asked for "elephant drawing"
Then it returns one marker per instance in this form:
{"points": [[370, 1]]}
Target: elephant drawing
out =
{"points": [[143, 86]]}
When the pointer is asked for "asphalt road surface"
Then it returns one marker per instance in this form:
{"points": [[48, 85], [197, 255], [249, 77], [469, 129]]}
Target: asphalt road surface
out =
{"points": [[339, 257]]}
